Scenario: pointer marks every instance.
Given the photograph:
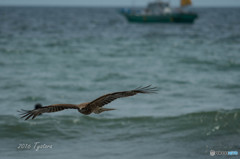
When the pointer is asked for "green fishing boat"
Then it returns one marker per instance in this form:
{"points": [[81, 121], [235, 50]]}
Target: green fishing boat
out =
{"points": [[161, 12]]}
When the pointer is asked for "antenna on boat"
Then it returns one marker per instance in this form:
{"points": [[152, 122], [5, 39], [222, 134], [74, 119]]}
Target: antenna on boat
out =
{"points": [[133, 3], [169, 2], [184, 3]]}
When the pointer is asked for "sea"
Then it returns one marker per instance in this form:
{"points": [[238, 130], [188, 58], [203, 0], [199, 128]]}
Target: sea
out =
{"points": [[53, 55]]}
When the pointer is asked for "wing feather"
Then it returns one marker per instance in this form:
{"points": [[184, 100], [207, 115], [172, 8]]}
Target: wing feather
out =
{"points": [[108, 98], [47, 109]]}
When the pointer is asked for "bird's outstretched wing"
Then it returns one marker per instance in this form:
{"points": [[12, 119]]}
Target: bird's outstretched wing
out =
{"points": [[46, 109], [108, 98]]}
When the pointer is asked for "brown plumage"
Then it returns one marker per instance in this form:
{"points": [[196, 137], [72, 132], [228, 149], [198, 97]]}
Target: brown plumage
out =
{"points": [[96, 106]]}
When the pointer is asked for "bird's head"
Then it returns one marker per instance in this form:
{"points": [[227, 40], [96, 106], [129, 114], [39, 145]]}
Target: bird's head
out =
{"points": [[84, 110]]}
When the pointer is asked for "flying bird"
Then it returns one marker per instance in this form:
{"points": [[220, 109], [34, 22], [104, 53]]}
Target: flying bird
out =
{"points": [[95, 106]]}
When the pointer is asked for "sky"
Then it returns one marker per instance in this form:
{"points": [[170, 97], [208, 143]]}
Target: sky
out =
{"points": [[115, 3]]}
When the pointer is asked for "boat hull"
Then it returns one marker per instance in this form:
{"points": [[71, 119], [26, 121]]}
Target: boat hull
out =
{"points": [[167, 18]]}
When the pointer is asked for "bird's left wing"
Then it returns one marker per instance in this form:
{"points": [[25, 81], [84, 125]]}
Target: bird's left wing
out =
{"points": [[108, 98], [47, 109]]}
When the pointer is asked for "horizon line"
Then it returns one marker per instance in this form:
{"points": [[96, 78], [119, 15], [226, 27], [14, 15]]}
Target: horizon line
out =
{"points": [[102, 6]]}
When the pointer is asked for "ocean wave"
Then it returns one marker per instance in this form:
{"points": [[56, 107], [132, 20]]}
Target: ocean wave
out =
{"points": [[231, 39], [32, 98], [110, 76], [196, 61], [225, 65], [193, 125], [228, 86]]}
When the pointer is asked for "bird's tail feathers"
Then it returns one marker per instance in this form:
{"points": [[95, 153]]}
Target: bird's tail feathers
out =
{"points": [[100, 110]]}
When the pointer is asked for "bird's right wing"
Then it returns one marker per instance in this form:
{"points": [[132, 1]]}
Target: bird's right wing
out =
{"points": [[108, 98], [47, 109]]}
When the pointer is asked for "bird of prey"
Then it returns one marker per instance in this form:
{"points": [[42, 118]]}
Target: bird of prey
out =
{"points": [[95, 106]]}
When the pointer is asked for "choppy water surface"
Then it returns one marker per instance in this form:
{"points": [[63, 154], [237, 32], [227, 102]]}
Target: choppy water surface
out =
{"points": [[74, 55]]}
